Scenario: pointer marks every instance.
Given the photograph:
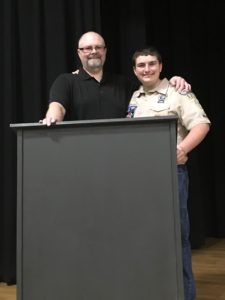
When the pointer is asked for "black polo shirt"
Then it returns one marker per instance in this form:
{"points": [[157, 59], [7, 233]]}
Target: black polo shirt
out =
{"points": [[84, 98]]}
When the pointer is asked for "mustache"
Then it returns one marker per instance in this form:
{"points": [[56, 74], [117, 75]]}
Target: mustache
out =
{"points": [[94, 56]]}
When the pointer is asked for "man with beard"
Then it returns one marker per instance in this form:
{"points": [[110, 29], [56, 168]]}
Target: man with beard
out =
{"points": [[91, 93]]}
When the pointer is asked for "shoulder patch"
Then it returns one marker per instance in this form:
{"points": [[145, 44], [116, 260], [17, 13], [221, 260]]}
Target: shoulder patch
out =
{"points": [[187, 93]]}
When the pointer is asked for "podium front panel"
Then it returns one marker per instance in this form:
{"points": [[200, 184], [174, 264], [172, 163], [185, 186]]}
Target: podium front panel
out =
{"points": [[98, 212]]}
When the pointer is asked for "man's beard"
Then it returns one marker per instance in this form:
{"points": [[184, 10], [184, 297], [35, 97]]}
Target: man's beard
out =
{"points": [[94, 63]]}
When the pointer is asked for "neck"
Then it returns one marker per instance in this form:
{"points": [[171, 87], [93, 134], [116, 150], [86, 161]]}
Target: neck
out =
{"points": [[96, 73], [152, 86]]}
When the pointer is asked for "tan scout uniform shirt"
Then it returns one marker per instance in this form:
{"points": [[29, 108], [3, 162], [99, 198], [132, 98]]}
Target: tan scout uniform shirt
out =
{"points": [[164, 100]]}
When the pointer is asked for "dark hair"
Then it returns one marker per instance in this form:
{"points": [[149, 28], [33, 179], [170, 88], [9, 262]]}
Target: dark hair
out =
{"points": [[146, 51]]}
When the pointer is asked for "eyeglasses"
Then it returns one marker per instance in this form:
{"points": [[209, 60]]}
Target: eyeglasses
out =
{"points": [[90, 49]]}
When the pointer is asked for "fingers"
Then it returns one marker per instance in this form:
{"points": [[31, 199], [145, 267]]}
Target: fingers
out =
{"points": [[182, 161], [184, 88], [180, 84], [48, 121], [187, 87], [181, 156]]}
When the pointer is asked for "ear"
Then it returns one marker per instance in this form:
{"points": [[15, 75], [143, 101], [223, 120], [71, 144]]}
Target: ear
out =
{"points": [[79, 53], [134, 69], [160, 68]]}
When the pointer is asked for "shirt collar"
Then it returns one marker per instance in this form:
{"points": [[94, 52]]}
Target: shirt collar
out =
{"points": [[83, 74], [160, 89]]}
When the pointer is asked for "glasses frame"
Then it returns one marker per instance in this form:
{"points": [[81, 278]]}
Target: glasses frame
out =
{"points": [[89, 49]]}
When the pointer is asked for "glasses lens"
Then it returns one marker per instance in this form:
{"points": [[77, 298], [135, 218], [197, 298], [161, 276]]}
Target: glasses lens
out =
{"points": [[90, 49]]}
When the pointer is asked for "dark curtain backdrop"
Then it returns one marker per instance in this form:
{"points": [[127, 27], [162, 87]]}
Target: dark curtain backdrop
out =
{"points": [[38, 42]]}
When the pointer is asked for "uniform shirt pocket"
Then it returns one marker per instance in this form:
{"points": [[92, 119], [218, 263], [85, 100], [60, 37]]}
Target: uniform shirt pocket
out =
{"points": [[160, 107]]}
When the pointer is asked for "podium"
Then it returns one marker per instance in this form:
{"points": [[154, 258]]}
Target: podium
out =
{"points": [[98, 211]]}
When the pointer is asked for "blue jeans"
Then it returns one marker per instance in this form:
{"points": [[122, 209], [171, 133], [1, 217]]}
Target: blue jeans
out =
{"points": [[189, 282]]}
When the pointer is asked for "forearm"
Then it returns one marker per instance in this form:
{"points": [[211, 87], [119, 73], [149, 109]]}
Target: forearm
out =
{"points": [[56, 111], [194, 137]]}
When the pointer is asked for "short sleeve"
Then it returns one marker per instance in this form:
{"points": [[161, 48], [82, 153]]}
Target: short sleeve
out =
{"points": [[192, 112], [60, 91]]}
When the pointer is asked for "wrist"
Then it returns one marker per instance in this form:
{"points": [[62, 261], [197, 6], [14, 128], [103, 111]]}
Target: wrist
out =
{"points": [[181, 148]]}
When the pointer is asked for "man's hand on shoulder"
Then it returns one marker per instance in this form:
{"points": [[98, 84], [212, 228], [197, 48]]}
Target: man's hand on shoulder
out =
{"points": [[180, 84]]}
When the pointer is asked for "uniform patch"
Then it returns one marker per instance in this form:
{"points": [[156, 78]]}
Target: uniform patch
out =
{"points": [[191, 95], [183, 92], [187, 93], [131, 110], [161, 99]]}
